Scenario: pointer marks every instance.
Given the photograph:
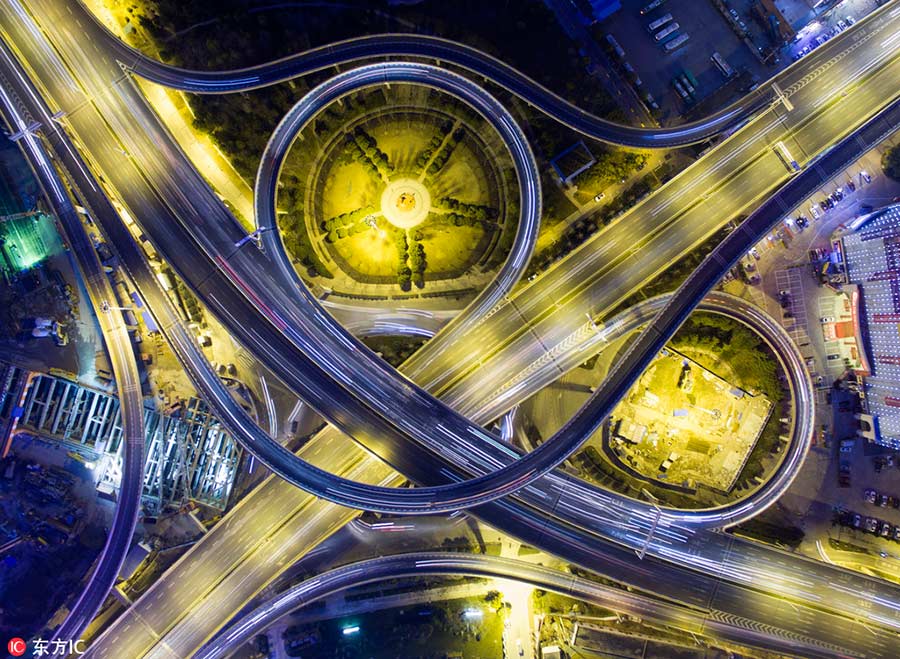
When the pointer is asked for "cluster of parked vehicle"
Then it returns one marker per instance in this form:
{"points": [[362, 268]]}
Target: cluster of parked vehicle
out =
{"points": [[784, 299], [854, 520], [831, 200], [664, 28], [881, 499], [882, 461], [839, 27]]}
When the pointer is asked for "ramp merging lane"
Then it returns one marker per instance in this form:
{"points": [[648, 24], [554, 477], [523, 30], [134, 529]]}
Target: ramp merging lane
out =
{"points": [[693, 621], [340, 356], [118, 345]]}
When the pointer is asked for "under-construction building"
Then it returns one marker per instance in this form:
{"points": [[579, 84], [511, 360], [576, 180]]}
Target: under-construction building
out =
{"points": [[189, 456]]}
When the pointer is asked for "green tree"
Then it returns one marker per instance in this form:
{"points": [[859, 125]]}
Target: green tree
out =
{"points": [[890, 163]]}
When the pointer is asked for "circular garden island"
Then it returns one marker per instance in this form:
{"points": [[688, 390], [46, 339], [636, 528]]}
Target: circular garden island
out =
{"points": [[398, 189]]}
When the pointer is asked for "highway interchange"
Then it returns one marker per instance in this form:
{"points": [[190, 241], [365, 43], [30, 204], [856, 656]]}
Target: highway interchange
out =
{"points": [[478, 565], [411, 409], [757, 133]]}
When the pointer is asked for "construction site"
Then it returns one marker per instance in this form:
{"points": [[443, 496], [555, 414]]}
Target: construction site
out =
{"points": [[684, 426]]}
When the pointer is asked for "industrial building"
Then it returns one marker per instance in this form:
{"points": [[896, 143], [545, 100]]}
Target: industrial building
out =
{"points": [[870, 250]]}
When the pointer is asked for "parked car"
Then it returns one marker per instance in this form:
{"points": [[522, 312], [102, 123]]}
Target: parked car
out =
{"points": [[870, 495], [871, 525], [882, 500], [857, 521], [844, 475], [886, 530], [897, 533]]}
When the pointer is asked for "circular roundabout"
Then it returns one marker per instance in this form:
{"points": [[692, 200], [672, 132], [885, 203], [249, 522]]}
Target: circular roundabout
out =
{"points": [[405, 203]]}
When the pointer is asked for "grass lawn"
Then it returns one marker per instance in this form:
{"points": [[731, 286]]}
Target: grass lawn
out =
{"points": [[347, 188], [402, 141], [463, 178], [368, 253], [449, 248]]}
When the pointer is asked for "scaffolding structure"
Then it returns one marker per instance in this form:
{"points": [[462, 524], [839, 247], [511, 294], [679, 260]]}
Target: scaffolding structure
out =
{"points": [[190, 457]]}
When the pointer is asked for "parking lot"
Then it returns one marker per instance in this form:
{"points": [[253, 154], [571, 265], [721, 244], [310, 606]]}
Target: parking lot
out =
{"points": [[793, 312], [869, 510], [708, 31]]}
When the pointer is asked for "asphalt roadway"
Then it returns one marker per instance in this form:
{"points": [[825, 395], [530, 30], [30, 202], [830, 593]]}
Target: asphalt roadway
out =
{"points": [[118, 345], [693, 621], [342, 356]]}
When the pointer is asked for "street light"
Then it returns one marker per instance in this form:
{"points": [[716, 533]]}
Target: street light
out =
{"points": [[106, 307], [657, 513], [251, 236]]}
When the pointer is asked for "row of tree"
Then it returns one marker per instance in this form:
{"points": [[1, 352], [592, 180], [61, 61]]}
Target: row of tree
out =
{"points": [[460, 220], [433, 144], [477, 211], [362, 148], [347, 219], [446, 151], [345, 232], [411, 260], [611, 166]]}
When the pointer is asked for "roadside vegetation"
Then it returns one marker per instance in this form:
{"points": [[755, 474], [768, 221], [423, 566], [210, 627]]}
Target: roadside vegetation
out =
{"points": [[890, 163], [613, 165], [721, 344], [394, 349]]}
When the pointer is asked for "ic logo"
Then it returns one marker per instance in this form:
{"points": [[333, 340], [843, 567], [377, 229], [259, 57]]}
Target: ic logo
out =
{"points": [[16, 647]]}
